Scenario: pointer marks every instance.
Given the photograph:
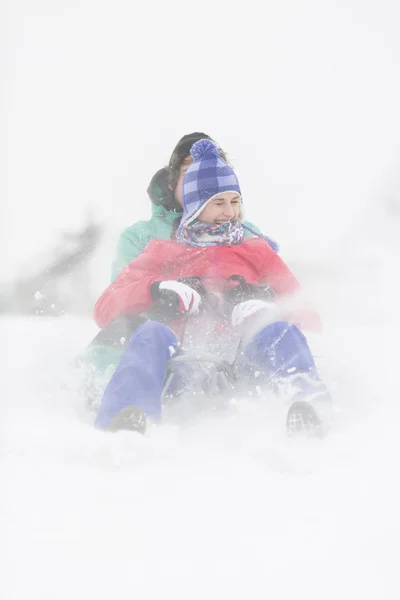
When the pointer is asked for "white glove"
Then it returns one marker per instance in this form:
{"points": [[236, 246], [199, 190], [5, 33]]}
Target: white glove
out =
{"points": [[189, 300], [247, 309]]}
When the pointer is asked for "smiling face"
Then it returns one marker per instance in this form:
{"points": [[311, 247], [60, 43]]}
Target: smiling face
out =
{"points": [[221, 209]]}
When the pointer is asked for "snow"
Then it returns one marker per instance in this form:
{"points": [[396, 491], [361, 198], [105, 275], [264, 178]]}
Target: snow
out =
{"points": [[225, 507], [222, 507]]}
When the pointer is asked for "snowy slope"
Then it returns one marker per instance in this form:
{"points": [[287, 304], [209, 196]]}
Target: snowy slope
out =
{"points": [[226, 508]]}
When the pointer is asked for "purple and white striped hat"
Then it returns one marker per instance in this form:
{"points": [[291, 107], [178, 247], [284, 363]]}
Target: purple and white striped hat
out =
{"points": [[208, 176]]}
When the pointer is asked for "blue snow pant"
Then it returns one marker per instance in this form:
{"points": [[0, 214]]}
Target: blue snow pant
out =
{"points": [[278, 350]]}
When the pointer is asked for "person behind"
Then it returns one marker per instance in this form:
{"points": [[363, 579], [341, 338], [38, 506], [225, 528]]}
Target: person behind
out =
{"points": [[201, 274]]}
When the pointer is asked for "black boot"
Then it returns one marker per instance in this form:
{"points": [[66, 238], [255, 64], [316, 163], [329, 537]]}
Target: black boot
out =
{"points": [[130, 418], [302, 419]]}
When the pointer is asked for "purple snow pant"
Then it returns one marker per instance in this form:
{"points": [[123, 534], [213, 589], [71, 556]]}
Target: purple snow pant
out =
{"points": [[139, 377]]}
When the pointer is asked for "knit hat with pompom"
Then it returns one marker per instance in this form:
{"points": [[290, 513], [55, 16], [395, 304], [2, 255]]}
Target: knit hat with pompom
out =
{"points": [[208, 176]]}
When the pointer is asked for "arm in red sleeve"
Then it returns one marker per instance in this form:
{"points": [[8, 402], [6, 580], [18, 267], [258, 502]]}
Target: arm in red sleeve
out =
{"points": [[130, 292], [280, 278]]}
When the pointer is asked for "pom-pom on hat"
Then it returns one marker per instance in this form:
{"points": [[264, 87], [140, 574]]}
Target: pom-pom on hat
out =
{"points": [[208, 176]]}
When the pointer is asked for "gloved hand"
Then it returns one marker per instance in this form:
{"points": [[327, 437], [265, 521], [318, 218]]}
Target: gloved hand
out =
{"points": [[209, 301], [236, 290], [247, 309], [176, 295], [196, 283]]}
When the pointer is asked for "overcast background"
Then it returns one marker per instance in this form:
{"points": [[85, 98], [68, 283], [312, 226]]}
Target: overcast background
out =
{"points": [[304, 97]]}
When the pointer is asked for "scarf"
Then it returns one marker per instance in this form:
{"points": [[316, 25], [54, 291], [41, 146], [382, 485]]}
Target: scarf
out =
{"points": [[199, 234]]}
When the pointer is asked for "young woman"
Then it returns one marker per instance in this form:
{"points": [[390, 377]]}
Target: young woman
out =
{"points": [[222, 280], [165, 193]]}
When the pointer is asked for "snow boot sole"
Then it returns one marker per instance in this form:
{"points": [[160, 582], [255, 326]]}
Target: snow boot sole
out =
{"points": [[302, 420]]}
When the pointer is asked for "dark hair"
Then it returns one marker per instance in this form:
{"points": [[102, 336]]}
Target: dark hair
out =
{"points": [[182, 151]]}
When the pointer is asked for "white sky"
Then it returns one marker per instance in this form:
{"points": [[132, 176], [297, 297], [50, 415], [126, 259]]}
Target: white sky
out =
{"points": [[304, 98]]}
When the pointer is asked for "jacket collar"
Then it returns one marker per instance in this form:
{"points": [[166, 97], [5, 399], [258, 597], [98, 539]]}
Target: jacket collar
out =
{"points": [[168, 216]]}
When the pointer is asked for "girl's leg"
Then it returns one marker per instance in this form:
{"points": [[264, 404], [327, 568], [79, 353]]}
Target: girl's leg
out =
{"points": [[278, 350], [280, 353], [139, 377]]}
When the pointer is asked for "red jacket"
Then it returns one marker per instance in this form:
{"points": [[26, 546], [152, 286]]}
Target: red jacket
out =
{"points": [[253, 259]]}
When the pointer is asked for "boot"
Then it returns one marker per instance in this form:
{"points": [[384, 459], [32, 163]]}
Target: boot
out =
{"points": [[130, 418], [302, 419]]}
